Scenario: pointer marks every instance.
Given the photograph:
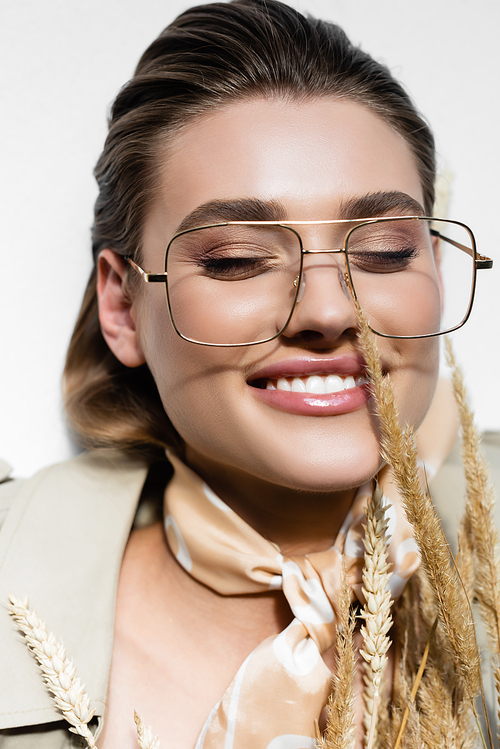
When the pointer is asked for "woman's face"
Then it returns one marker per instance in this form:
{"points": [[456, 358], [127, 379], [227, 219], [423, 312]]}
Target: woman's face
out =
{"points": [[319, 159]]}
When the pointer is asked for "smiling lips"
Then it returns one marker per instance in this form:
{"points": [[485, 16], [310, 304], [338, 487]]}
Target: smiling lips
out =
{"points": [[314, 387]]}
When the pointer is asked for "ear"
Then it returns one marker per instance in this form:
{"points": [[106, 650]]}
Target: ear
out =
{"points": [[116, 310]]}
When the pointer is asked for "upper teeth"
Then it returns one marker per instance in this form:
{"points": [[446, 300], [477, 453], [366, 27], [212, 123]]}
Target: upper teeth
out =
{"points": [[315, 384]]}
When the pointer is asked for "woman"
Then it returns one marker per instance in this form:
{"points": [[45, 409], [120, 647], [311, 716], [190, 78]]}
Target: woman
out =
{"points": [[250, 374]]}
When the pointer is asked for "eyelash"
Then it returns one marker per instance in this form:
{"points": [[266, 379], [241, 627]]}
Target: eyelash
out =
{"points": [[386, 259]]}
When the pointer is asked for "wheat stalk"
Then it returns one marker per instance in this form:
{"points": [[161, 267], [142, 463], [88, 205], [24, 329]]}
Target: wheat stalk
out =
{"points": [[376, 611], [399, 450], [145, 735], [410, 738], [479, 513], [58, 671], [479, 535], [340, 733], [416, 622], [465, 558]]}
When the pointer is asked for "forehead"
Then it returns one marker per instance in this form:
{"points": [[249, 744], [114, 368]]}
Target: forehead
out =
{"points": [[310, 157]]}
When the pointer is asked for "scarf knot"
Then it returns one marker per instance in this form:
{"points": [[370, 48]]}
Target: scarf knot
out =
{"points": [[287, 671]]}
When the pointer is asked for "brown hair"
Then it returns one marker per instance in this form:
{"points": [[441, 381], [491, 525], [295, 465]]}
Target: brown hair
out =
{"points": [[209, 56]]}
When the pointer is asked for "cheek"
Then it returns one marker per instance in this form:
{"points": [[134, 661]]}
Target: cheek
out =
{"points": [[159, 343], [388, 306], [415, 378], [193, 380]]}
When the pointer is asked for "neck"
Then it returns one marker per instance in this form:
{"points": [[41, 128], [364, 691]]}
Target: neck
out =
{"points": [[298, 522]]}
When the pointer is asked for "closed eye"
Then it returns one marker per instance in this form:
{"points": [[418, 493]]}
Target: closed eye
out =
{"points": [[235, 268], [384, 260]]}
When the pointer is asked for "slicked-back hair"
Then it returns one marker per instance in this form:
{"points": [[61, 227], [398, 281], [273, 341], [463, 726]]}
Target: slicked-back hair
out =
{"points": [[210, 56]]}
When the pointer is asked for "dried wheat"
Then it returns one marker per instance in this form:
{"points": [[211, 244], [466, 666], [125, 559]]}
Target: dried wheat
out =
{"points": [[376, 611], [479, 535], [145, 735], [58, 671], [399, 450], [480, 519], [340, 732]]}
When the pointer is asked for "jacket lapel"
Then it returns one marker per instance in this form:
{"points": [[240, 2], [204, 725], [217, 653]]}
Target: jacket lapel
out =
{"points": [[61, 546]]}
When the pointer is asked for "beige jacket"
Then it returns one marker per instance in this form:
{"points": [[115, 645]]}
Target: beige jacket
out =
{"points": [[62, 537], [61, 544]]}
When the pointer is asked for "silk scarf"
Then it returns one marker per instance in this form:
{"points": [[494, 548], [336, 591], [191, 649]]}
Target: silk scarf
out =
{"points": [[281, 688]]}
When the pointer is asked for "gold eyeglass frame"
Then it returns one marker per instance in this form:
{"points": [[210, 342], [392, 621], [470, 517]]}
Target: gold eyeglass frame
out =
{"points": [[481, 262]]}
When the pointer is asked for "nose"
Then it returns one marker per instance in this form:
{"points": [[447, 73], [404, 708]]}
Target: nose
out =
{"points": [[324, 310]]}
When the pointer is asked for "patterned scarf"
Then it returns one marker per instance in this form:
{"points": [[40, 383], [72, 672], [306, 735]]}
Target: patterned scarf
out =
{"points": [[221, 550]]}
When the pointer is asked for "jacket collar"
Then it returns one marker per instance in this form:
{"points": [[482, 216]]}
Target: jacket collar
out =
{"points": [[62, 546]]}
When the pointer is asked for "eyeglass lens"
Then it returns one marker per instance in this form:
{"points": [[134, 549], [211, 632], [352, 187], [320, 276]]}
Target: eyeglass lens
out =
{"points": [[238, 284]]}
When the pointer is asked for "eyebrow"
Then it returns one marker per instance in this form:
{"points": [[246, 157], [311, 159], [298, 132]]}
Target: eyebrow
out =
{"points": [[242, 209], [371, 205], [378, 204]]}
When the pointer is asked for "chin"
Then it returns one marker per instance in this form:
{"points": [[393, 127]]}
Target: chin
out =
{"points": [[331, 465], [319, 478]]}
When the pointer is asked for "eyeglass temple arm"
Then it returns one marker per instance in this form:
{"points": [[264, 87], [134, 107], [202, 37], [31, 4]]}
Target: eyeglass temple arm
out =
{"points": [[147, 277], [482, 262]]}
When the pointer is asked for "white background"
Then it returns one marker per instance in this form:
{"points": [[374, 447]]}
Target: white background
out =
{"points": [[62, 62]]}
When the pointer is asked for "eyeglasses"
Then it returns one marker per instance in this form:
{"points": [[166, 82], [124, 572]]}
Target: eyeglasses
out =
{"points": [[237, 283]]}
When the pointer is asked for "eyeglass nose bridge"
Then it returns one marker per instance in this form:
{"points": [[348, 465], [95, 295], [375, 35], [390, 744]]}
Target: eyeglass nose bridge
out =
{"points": [[346, 282], [324, 251]]}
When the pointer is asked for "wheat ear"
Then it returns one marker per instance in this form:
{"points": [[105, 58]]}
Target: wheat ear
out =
{"points": [[58, 671], [376, 611], [145, 735], [479, 532], [399, 450], [340, 732]]}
